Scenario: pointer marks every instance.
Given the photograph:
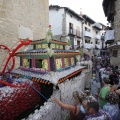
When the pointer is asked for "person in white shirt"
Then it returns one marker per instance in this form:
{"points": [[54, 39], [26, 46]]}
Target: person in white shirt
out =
{"points": [[101, 70]]}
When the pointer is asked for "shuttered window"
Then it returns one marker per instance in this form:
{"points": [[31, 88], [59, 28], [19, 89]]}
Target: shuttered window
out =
{"points": [[115, 53]]}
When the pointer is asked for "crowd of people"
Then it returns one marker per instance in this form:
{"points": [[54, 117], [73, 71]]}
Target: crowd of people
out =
{"points": [[108, 90], [105, 103]]}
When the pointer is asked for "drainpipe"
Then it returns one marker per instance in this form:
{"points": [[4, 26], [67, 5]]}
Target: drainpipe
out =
{"points": [[82, 34]]}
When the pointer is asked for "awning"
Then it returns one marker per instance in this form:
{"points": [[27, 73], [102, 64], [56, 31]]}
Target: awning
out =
{"points": [[85, 51]]}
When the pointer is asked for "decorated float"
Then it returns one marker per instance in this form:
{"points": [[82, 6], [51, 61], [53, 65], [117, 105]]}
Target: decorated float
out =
{"points": [[45, 68]]}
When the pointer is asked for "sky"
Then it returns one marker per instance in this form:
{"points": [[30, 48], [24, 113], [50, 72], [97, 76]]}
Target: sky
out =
{"points": [[92, 8]]}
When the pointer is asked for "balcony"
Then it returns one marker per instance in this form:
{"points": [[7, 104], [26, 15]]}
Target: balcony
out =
{"points": [[109, 36], [87, 34], [75, 47], [74, 32], [88, 45], [97, 37], [97, 46], [97, 26]]}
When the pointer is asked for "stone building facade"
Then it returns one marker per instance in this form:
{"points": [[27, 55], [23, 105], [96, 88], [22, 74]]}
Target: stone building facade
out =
{"points": [[28, 13], [116, 26], [33, 14], [112, 12]]}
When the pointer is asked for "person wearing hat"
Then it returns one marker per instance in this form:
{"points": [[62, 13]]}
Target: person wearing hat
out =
{"points": [[103, 92], [112, 107], [93, 111], [77, 112]]}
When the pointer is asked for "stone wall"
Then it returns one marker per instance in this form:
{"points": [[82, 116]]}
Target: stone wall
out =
{"points": [[116, 60], [51, 110], [32, 14], [117, 20], [28, 13]]}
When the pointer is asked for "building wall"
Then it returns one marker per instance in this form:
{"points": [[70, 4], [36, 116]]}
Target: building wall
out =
{"points": [[117, 20], [87, 38], [60, 19], [32, 14], [93, 38], [56, 20], [116, 60], [28, 13], [89, 27], [76, 22]]}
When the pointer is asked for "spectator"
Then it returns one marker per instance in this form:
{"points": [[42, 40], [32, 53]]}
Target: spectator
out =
{"points": [[115, 84], [112, 107], [93, 112], [101, 70], [103, 92], [76, 111], [98, 66], [118, 93], [112, 76], [106, 73]]}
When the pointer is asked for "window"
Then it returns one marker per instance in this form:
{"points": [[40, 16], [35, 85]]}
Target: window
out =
{"points": [[70, 25], [78, 42], [115, 52], [38, 63], [85, 28], [96, 42], [86, 22], [41, 63], [87, 41], [89, 24], [70, 28]]}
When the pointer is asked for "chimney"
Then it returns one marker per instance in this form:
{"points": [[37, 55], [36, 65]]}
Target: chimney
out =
{"points": [[81, 14]]}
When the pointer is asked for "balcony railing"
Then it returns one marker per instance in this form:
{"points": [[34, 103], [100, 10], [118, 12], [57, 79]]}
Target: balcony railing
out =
{"points": [[88, 45], [109, 36], [97, 46], [87, 34], [75, 47], [74, 32]]}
